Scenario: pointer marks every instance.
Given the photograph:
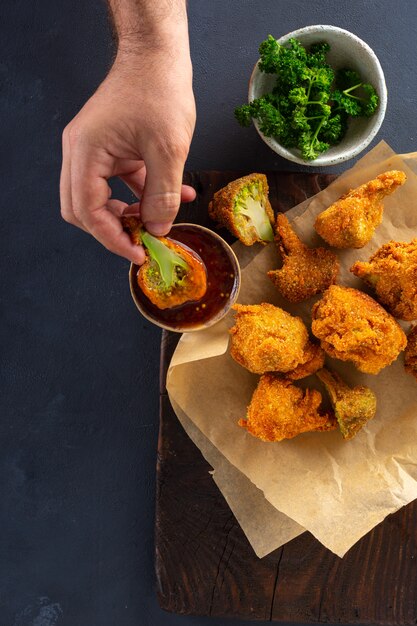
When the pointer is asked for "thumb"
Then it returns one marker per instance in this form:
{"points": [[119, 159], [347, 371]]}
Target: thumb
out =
{"points": [[162, 192]]}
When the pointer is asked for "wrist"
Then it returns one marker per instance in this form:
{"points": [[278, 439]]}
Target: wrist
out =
{"points": [[170, 55], [173, 43], [143, 26]]}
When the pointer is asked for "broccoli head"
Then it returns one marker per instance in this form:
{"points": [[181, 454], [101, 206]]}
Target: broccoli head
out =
{"points": [[172, 273], [244, 208]]}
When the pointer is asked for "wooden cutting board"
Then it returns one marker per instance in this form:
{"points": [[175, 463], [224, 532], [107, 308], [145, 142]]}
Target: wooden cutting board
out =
{"points": [[204, 563]]}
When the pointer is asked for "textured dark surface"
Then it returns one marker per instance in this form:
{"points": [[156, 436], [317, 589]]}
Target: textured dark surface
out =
{"points": [[204, 563], [79, 367]]}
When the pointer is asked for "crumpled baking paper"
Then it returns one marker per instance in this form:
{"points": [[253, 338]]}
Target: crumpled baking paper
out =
{"points": [[336, 489]]}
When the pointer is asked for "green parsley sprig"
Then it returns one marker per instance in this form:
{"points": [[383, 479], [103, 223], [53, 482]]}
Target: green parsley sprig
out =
{"points": [[310, 105]]}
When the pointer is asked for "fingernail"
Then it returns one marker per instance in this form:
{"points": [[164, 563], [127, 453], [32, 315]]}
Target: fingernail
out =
{"points": [[158, 228]]}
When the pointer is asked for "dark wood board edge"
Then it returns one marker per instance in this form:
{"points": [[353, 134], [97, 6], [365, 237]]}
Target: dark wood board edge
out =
{"points": [[204, 563]]}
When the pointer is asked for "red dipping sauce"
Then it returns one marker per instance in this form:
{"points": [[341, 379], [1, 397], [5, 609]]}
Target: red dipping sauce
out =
{"points": [[223, 282]]}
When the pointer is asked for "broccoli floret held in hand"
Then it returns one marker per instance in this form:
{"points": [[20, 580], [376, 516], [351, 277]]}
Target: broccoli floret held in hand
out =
{"points": [[169, 267], [172, 273], [304, 110]]}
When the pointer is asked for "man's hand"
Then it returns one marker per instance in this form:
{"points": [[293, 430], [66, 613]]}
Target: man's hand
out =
{"points": [[138, 126]]}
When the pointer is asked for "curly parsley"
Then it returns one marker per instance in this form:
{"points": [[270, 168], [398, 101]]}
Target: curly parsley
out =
{"points": [[310, 105]]}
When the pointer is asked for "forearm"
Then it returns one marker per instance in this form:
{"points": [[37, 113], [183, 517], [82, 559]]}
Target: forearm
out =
{"points": [[148, 24]]}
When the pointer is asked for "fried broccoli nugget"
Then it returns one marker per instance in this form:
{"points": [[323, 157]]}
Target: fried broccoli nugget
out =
{"points": [[392, 272], [352, 326], [352, 407], [351, 221], [172, 273], [314, 356], [266, 338], [410, 354], [243, 207], [279, 410], [305, 271]]}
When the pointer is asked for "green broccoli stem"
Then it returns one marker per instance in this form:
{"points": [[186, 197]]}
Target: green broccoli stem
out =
{"points": [[335, 386], [166, 259]]}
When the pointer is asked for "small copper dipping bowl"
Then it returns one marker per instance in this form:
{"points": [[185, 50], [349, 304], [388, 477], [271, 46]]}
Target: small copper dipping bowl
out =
{"points": [[223, 283]]}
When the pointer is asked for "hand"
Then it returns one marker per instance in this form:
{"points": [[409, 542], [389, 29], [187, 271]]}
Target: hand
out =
{"points": [[138, 126]]}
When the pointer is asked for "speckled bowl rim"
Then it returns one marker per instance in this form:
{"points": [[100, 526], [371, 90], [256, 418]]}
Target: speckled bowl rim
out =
{"points": [[221, 314], [322, 160]]}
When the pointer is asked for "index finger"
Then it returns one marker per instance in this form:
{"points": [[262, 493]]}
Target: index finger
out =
{"points": [[90, 196]]}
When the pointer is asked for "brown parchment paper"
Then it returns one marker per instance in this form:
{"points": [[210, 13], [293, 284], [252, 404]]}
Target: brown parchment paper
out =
{"points": [[336, 489]]}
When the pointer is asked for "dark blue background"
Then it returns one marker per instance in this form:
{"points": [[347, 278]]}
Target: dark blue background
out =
{"points": [[79, 366]]}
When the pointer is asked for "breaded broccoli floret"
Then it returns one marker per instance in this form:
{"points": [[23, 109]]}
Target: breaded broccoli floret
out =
{"points": [[410, 353], [265, 338], [352, 407], [172, 274], [279, 410], [352, 326], [305, 271], [350, 222], [243, 207], [314, 357], [392, 272]]}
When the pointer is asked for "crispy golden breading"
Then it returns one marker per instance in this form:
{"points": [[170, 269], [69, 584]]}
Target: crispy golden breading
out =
{"points": [[243, 207], [192, 281], [353, 327], [392, 272], [314, 356], [280, 410], [184, 268], [133, 226], [410, 354], [266, 338], [351, 221], [305, 271], [352, 407]]}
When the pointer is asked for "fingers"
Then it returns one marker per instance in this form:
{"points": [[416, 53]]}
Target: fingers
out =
{"points": [[188, 194], [120, 209], [93, 209], [65, 185], [136, 183], [162, 192], [85, 193], [135, 180]]}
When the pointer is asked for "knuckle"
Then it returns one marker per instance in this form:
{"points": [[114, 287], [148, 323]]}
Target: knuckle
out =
{"points": [[180, 150], [165, 204], [67, 215], [173, 149], [74, 134]]}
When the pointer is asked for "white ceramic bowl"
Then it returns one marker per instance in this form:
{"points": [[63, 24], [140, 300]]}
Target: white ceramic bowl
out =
{"points": [[346, 50]]}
